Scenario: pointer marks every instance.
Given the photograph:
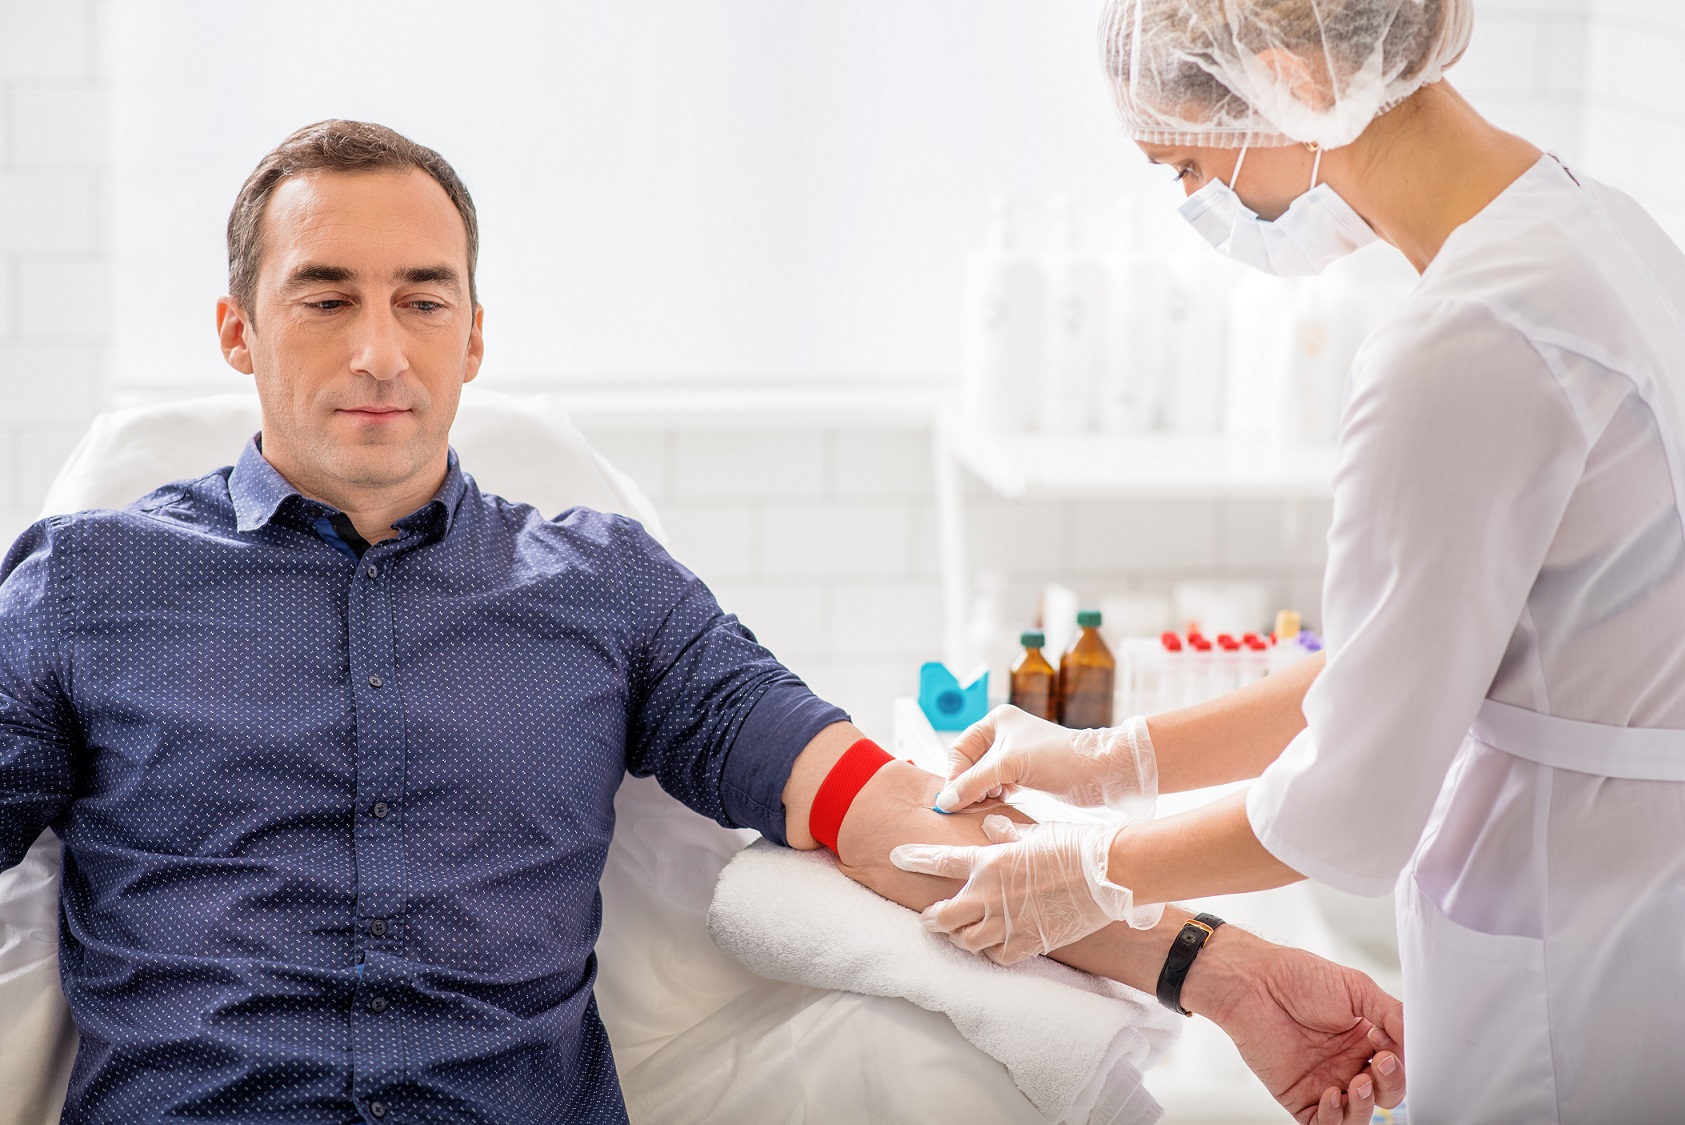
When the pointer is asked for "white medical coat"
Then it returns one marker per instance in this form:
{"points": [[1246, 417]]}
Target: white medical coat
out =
{"points": [[1508, 555]]}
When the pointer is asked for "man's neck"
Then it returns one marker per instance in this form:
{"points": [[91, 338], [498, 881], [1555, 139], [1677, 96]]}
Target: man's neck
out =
{"points": [[372, 510]]}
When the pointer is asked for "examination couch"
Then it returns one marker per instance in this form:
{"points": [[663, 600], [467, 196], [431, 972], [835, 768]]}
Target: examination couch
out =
{"points": [[697, 1038]]}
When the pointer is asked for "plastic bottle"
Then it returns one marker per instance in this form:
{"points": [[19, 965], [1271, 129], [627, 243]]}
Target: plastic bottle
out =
{"points": [[1201, 670], [1256, 664], [1172, 676], [1262, 355], [1076, 329], [1199, 330], [1139, 296], [1034, 682], [1005, 309], [1228, 665], [1087, 677]]}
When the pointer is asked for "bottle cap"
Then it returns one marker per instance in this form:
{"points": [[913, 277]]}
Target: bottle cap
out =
{"points": [[1199, 643], [1171, 642], [1227, 643], [1032, 638], [1088, 619], [1286, 625]]}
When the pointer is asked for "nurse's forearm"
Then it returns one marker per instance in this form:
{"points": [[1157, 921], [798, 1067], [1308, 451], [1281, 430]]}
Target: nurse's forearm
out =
{"points": [[894, 808], [1232, 737], [1210, 850]]}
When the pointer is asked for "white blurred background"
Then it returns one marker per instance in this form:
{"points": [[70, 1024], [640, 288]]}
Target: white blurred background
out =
{"points": [[734, 234]]}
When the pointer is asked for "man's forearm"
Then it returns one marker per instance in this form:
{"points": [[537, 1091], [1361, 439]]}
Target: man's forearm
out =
{"points": [[1232, 737], [806, 776]]}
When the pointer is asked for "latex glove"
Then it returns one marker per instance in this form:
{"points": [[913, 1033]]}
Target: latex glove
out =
{"points": [[1009, 748], [1039, 887]]}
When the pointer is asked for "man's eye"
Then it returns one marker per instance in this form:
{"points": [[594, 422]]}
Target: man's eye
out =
{"points": [[427, 306], [329, 305]]}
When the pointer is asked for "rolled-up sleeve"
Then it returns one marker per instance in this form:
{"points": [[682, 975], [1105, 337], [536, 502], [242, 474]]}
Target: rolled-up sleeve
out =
{"points": [[37, 735], [715, 717], [1459, 452]]}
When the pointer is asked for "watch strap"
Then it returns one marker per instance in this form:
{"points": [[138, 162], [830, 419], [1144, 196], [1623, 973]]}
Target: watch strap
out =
{"points": [[1195, 932]]}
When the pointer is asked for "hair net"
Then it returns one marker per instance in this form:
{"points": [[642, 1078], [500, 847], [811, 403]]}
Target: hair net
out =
{"points": [[1226, 73]]}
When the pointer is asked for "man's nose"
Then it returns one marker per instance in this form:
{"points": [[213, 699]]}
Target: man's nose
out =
{"points": [[377, 346]]}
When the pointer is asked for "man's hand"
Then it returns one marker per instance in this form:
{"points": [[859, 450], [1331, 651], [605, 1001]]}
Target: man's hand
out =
{"points": [[1301, 1023], [1308, 1028]]}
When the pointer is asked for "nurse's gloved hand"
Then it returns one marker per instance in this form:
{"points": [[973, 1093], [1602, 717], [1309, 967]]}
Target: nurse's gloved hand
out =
{"points": [[1008, 749], [1039, 887]]}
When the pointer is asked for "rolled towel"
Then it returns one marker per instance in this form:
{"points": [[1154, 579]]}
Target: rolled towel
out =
{"points": [[1076, 1045]]}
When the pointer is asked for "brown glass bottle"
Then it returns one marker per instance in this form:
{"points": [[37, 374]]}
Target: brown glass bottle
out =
{"points": [[1033, 679], [1087, 673]]}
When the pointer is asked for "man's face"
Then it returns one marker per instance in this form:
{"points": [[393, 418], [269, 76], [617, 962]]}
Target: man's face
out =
{"points": [[363, 333]]}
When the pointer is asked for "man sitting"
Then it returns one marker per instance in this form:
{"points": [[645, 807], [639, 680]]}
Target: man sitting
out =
{"points": [[332, 738]]}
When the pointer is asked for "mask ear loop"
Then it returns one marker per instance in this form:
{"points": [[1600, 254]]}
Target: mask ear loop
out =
{"points": [[1316, 165], [1234, 177]]}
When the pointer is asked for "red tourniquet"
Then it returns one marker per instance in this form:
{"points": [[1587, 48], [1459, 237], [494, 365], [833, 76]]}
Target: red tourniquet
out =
{"points": [[836, 793]]}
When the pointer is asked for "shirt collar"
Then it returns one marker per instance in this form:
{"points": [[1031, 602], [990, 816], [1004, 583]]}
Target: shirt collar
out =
{"points": [[258, 492]]}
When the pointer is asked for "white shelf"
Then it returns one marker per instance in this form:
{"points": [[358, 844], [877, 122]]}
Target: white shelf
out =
{"points": [[1141, 466]]}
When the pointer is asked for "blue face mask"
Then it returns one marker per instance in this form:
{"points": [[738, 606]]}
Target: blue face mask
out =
{"points": [[1317, 229]]}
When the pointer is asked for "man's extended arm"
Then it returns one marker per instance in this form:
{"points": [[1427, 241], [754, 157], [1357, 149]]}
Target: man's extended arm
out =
{"points": [[1301, 1023]]}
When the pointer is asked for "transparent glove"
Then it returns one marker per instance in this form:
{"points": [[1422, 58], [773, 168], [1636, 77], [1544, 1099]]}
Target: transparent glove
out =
{"points": [[1009, 748], [1039, 887]]}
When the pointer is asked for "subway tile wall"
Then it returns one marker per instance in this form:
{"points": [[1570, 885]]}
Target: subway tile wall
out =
{"points": [[54, 269]]}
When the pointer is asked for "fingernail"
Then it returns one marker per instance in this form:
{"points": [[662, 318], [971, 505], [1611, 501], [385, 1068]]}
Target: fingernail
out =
{"points": [[1361, 1088], [1386, 1064], [946, 800]]}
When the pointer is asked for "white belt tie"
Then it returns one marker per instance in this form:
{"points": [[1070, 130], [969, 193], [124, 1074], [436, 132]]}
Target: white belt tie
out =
{"points": [[1638, 753]]}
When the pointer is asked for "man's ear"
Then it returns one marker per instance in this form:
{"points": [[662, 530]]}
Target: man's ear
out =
{"points": [[476, 346], [1308, 83], [234, 333]]}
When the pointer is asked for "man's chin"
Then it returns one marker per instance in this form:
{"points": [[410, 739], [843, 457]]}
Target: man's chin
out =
{"points": [[380, 465]]}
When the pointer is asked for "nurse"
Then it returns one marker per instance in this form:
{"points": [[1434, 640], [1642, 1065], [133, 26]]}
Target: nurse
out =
{"points": [[1498, 731]]}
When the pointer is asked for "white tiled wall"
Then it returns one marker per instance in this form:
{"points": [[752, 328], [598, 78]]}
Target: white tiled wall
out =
{"points": [[1634, 113], [822, 540], [54, 299], [1525, 69]]}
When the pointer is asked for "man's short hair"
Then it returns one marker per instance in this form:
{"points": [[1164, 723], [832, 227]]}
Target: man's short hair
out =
{"points": [[333, 146]]}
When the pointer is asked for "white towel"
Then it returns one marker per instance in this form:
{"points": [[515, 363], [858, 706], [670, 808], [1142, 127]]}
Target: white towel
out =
{"points": [[1075, 1044]]}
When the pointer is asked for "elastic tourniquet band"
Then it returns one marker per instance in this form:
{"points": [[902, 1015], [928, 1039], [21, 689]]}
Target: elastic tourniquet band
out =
{"points": [[836, 793]]}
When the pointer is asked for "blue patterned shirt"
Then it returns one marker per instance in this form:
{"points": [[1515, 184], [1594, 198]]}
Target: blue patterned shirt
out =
{"points": [[333, 825]]}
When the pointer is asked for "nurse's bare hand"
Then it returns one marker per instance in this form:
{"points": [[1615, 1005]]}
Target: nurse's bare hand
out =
{"points": [[1324, 1039]]}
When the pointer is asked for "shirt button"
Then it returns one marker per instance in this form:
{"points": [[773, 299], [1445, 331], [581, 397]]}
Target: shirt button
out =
{"points": [[377, 1109], [375, 681], [372, 571], [379, 809], [378, 1004], [378, 927]]}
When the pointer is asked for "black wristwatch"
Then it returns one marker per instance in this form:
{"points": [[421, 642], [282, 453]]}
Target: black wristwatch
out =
{"points": [[1196, 931]]}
